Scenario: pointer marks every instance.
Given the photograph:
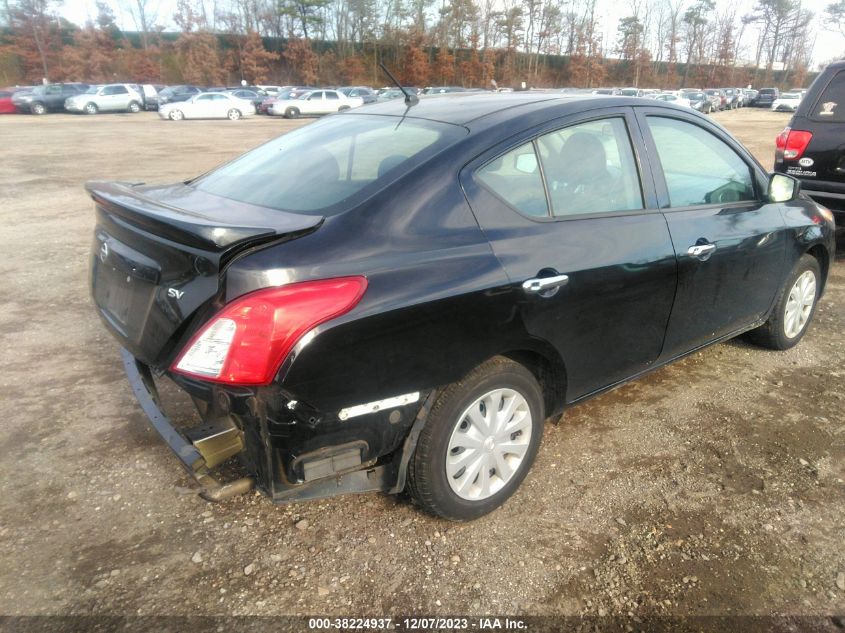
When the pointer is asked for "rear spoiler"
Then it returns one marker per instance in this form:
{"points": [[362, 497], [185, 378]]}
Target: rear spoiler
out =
{"points": [[195, 218]]}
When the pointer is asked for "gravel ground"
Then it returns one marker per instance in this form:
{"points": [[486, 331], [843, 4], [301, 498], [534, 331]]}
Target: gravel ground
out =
{"points": [[713, 486]]}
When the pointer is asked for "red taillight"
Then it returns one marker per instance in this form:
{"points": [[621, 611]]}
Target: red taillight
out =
{"points": [[790, 144], [246, 342]]}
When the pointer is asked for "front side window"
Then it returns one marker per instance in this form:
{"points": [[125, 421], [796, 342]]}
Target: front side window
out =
{"points": [[699, 168], [590, 168], [515, 177]]}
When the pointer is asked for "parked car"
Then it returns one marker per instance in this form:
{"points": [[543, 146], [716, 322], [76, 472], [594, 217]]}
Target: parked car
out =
{"points": [[731, 98], [367, 95], [48, 98], [175, 94], [766, 97], [786, 102], [670, 97], [272, 90], [208, 105], [286, 94], [810, 148], [6, 104], [631, 92], [316, 102], [337, 341], [751, 97], [718, 93], [248, 95], [439, 90], [108, 98], [395, 93], [606, 91], [698, 100], [150, 94]]}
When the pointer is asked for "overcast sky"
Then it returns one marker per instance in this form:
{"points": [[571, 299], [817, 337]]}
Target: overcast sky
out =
{"points": [[829, 44]]}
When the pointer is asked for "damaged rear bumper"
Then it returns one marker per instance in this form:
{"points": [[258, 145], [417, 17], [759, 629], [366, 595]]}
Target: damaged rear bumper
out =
{"points": [[273, 445]]}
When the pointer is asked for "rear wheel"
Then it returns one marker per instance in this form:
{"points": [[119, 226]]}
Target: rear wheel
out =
{"points": [[38, 108], [91, 108], [233, 114], [794, 309], [176, 115], [479, 442], [134, 107], [291, 113]]}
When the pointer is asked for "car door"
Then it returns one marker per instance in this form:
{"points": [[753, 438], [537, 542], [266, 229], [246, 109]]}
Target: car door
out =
{"points": [[332, 101], [571, 214], [202, 107], [120, 98], [729, 241]]}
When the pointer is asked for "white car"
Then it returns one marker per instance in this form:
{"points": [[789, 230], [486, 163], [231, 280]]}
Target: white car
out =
{"points": [[108, 98], [207, 105], [670, 97], [787, 102], [314, 103]]}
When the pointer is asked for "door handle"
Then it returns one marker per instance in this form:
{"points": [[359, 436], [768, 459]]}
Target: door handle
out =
{"points": [[701, 251], [539, 284]]}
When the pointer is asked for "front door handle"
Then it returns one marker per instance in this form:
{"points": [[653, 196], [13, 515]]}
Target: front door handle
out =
{"points": [[539, 284], [701, 251]]}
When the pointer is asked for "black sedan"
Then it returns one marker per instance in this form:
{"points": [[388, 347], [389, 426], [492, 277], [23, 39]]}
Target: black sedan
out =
{"points": [[399, 297]]}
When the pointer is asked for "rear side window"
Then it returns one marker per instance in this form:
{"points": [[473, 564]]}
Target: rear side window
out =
{"points": [[590, 168], [698, 167], [331, 163], [515, 177], [831, 103]]}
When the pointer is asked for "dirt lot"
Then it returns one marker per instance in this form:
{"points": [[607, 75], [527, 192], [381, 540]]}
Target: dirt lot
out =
{"points": [[714, 486]]}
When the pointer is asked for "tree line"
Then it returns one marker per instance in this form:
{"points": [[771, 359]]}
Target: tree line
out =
{"points": [[660, 43]]}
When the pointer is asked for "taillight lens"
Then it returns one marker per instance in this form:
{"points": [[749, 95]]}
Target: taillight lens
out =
{"points": [[790, 144], [247, 341]]}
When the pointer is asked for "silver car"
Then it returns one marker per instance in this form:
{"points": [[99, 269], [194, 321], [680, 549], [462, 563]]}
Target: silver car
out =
{"points": [[108, 98]]}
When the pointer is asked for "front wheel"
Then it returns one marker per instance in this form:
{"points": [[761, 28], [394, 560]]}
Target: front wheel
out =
{"points": [[38, 108], [291, 113], [90, 108], [233, 114], [479, 442], [795, 307], [176, 115]]}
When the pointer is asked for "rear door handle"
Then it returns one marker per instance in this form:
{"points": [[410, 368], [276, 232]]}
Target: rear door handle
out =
{"points": [[539, 284], [701, 251]]}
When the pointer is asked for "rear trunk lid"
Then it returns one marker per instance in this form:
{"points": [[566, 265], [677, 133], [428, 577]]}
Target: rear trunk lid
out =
{"points": [[159, 252]]}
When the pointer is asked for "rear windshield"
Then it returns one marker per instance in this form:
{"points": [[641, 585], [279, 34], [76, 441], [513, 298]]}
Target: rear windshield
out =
{"points": [[767, 91], [831, 103], [328, 165]]}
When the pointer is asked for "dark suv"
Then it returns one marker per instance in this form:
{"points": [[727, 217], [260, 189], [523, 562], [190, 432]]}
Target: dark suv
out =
{"points": [[811, 147], [49, 98]]}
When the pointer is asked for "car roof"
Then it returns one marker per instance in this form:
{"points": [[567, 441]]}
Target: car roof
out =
{"points": [[461, 107]]}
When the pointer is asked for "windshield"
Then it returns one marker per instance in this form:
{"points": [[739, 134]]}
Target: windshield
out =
{"points": [[693, 96], [92, 90], [339, 159]]}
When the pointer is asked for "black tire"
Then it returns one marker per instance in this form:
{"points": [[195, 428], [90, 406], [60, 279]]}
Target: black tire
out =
{"points": [[292, 113], [90, 108], [234, 114], [772, 334], [427, 478], [134, 107], [38, 108]]}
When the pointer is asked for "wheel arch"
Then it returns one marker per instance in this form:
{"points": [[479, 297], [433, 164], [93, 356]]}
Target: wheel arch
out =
{"points": [[821, 254], [549, 370]]}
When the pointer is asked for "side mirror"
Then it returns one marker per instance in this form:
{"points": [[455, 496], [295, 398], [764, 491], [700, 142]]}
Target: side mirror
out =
{"points": [[783, 188]]}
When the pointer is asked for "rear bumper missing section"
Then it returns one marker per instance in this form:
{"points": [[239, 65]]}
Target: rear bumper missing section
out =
{"points": [[197, 464], [259, 444]]}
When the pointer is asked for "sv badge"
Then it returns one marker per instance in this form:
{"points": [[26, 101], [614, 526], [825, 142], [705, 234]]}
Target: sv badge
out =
{"points": [[175, 293]]}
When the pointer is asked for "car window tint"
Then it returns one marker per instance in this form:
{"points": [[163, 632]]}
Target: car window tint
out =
{"points": [[515, 177], [831, 103], [590, 168], [205, 98], [119, 90], [699, 167], [332, 95], [326, 163]]}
